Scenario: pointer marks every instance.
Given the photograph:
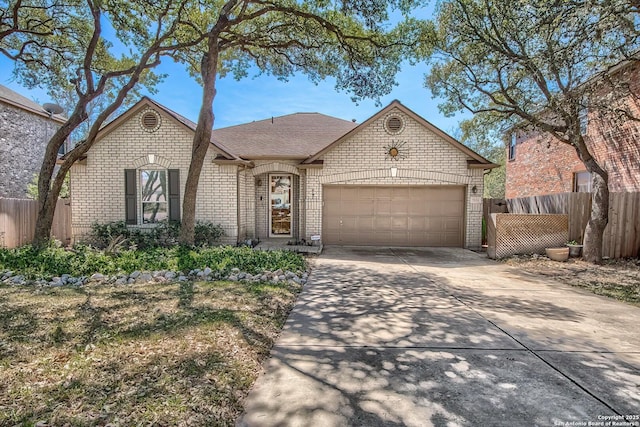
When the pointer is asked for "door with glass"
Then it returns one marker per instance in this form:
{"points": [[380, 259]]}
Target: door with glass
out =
{"points": [[280, 205]]}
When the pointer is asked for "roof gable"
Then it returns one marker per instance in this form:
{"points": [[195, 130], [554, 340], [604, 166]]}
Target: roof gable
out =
{"points": [[146, 102], [477, 159]]}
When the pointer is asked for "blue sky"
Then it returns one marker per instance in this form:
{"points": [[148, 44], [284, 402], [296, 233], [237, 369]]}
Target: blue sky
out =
{"points": [[264, 96]]}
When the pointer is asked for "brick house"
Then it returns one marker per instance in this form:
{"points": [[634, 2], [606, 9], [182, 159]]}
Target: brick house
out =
{"points": [[25, 130], [537, 164], [393, 180]]}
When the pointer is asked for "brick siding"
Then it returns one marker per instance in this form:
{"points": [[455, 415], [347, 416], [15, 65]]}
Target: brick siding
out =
{"points": [[98, 185], [543, 165], [427, 160]]}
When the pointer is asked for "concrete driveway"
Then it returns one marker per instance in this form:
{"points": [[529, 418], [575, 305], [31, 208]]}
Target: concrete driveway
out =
{"points": [[446, 337]]}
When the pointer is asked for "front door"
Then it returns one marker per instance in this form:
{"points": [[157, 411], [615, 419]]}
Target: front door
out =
{"points": [[280, 205]]}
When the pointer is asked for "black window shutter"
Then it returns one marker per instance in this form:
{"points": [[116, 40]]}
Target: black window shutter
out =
{"points": [[130, 196], [174, 195]]}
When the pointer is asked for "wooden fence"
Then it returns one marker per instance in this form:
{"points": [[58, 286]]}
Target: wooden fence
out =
{"points": [[18, 221], [622, 235]]}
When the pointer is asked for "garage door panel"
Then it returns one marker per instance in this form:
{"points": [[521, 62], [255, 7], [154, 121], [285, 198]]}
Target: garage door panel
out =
{"points": [[400, 223], [366, 224], [401, 194], [364, 206], [452, 224], [394, 216], [331, 194], [418, 207], [383, 207], [367, 193], [452, 237], [400, 208], [383, 193], [450, 208], [399, 239], [333, 210], [349, 224], [417, 223]]}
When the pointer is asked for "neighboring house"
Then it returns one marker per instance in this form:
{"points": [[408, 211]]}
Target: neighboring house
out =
{"points": [[25, 130], [394, 180], [537, 164]]}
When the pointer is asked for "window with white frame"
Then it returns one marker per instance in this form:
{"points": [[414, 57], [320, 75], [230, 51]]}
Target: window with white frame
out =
{"points": [[154, 195]]}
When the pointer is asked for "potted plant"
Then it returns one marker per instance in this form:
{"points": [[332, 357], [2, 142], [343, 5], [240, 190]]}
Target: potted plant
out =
{"points": [[575, 249], [557, 254]]}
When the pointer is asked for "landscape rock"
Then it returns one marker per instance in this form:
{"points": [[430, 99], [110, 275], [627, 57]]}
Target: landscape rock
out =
{"points": [[207, 271], [134, 275], [121, 281], [97, 277], [144, 278], [169, 275], [233, 278]]}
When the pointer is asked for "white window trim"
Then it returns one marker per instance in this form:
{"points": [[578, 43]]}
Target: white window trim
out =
{"points": [[141, 223]]}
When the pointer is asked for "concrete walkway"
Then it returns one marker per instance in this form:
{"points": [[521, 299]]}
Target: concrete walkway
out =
{"points": [[446, 337]]}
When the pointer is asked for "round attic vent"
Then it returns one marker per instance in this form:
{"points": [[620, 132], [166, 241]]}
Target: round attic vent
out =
{"points": [[394, 125], [150, 121]]}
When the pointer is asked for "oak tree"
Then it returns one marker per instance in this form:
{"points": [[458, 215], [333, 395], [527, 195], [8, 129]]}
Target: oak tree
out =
{"points": [[538, 65], [102, 50], [350, 40]]}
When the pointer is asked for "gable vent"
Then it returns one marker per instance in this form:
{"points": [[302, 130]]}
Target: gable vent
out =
{"points": [[150, 121], [394, 125]]}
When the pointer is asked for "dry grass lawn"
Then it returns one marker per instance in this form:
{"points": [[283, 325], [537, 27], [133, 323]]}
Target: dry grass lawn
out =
{"points": [[154, 354], [619, 279]]}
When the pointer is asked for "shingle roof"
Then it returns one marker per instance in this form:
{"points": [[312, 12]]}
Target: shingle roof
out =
{"points": [[294, 136], [14, 98]]}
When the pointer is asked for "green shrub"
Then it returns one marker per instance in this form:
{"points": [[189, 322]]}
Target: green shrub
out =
{"points": [[115, 236], [84, 260], [225, 258], [207, 233]]}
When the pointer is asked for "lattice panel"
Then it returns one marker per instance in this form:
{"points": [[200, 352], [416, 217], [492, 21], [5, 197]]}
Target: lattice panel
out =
{"points": [[528, 234]]}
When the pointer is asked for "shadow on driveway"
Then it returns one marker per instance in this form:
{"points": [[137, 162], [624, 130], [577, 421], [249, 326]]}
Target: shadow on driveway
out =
{"points": [[443, 337]]}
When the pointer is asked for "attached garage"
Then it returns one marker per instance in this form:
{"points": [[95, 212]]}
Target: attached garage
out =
{"points": [[393, 215]]}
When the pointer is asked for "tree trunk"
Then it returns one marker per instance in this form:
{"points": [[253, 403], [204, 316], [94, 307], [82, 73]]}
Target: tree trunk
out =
{"points": [[592, 251], [201, 141], [47, 194]]}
